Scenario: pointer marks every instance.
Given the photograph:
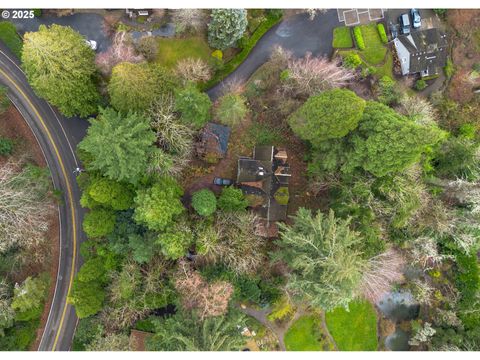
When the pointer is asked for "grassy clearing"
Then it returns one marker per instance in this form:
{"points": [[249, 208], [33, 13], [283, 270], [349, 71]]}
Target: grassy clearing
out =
{"points": [[355, 330], [172, 50], [306, 335], [375, 50], [342, 37], [9, 36]]}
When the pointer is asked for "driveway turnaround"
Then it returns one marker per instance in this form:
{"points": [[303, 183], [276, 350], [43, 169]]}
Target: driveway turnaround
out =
{"points": [[297, 34], [49, 130]]}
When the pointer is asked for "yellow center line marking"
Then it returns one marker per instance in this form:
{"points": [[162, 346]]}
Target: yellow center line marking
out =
{"points": [[70, 200]]}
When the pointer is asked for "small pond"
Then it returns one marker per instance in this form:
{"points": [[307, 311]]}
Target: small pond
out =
{"points": [[399, 306], [398, 341]]}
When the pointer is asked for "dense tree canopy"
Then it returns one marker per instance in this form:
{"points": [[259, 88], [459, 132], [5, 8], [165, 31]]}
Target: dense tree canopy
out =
{"points": [[226, 27], [29, 296], [330, 115], [99, 222], [232, 199], [118, 145], [87, 297], [159, 204], [134, 87], [320, 251], [386, 142], [186, 332], [109, 193], [231, 109], [194, 106], [60, 67]]}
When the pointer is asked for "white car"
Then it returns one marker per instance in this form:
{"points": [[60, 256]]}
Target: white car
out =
{"points": [[92, 44]]}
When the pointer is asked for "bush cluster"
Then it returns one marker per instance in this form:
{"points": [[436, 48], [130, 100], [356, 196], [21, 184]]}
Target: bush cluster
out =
{"points": [[382, 33], [357, 32]]}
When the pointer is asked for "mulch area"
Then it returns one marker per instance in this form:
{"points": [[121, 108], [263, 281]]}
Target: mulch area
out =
{"points": [[13, 126]]}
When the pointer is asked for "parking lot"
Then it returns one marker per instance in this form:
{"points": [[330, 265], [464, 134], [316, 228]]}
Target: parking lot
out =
{"points": [[429, 19]]}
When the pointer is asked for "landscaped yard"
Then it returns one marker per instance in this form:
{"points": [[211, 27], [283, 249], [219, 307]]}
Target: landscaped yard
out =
{"points": [[375, 50], [9, 36], [342, 37], [172, 50], [354, 330], [306, 335]]}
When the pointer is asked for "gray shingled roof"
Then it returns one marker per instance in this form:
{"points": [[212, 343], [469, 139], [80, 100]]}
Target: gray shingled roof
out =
{"points": [[422, 51]]}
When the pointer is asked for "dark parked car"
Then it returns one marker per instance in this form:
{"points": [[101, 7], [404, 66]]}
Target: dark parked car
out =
{"points": [[222, 181], [404, 21], [416, 18], [394, 30]]}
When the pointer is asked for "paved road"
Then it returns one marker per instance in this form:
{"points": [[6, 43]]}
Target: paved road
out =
{"points": [[297, 34], [88, 24], [53, 134]]}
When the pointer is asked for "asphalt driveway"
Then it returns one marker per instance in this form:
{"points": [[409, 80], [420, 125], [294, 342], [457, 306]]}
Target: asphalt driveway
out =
{"points": [[88, 24], [297, 34]]}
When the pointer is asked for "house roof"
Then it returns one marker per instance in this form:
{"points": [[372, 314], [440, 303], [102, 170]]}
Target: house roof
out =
{"points": [[422, 51], [264, 174], [214, 139]]}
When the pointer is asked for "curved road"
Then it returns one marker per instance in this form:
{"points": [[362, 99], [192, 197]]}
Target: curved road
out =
{"points": [[58, 138], [51, 133]]}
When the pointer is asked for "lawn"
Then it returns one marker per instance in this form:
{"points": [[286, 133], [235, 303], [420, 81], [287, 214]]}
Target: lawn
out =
{"points": [[380, 70], [9, 36], [342, 37], [172, 50], [355, 330], [375, 50], [306, 335]]}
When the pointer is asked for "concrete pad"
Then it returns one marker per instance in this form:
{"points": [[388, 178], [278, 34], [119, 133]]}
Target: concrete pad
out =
{"points": [[375, 14], [351, 17]]}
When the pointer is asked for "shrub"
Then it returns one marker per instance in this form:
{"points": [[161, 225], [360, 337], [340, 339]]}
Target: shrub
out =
{"points": [[9, 36], [449, 69], [99, 222], [357, 32], [217, 54], [194, 106], [476, 67], [420, 85], [352, 60], [204, 202], [468, 131], [231, 109], [6, 146], [232, 199], [387, 93], [382, 33], [148, 47], [4, 100]]}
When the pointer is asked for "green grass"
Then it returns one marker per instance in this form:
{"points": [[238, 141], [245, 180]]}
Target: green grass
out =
{"points": [[342, 37], [172, 50], [9, 36], [375, 50], [355, 330], [380, 70], [305, 334]]}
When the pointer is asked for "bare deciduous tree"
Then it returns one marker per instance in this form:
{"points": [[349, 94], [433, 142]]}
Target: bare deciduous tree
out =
{"points": [[189, 19], [380, 273], [424, 252], [208, 299], [191, 69], [24, 208], [419, 110], [174, 138], [121, 50], [310, 75]]}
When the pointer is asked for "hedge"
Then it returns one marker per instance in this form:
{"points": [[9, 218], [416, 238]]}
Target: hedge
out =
{"points": [[383, 34], [357, 32], [9, 36], [249, 44]]}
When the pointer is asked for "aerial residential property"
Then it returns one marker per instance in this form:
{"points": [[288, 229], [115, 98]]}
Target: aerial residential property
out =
{"points": [[224, 178]]}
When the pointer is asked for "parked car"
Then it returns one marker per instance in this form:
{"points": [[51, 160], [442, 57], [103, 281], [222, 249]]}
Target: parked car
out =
{"points": [[393, 30], [222, 181], [416, 18], [404, 21], [92, 44]]}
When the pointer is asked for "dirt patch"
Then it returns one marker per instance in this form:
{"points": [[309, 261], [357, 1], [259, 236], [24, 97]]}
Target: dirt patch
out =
{"points": [[13, 126]]}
